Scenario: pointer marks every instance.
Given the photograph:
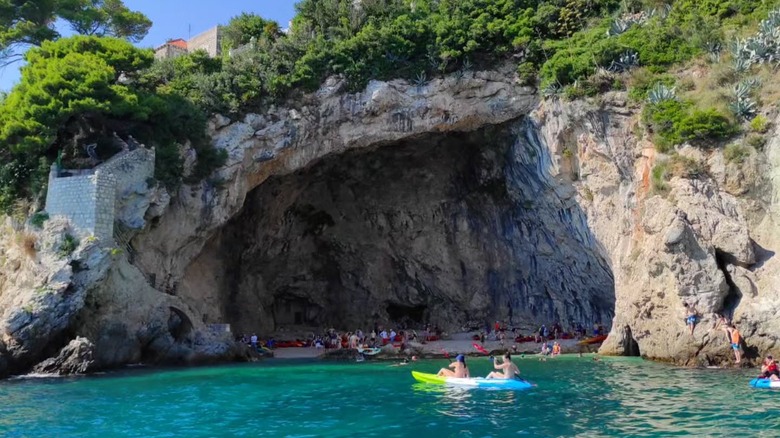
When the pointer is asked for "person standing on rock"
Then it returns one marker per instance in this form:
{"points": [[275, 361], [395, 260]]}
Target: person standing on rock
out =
{"points": [[253, 341], [736, 339], [691, 316]]}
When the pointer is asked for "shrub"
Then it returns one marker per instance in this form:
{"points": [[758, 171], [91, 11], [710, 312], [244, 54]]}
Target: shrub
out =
{"points": [[672, 123], [68, 245], [664, 119], [736, 153], [658, 178], [527, 73], [37, 220], [643, 80], [756, 141], [759, 124], [703, 126], [675, 166]]}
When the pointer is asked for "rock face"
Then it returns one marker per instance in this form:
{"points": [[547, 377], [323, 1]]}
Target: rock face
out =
{"points": [[453, 229], [88, 310], [455, 203], [693, 245]]}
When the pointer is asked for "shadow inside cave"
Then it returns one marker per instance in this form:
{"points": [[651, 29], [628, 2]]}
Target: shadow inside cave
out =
{"points": [[451, 229]]}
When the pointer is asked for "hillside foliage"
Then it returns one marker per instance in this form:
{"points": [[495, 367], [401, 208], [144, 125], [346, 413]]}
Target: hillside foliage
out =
{"points": [[83, 89]]}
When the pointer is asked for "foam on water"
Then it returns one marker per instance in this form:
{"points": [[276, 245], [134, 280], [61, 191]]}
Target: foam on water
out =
{"points": [[574, 396]]}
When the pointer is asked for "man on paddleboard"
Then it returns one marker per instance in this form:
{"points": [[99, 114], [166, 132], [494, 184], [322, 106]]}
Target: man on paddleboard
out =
{"points": [[508, 367]]}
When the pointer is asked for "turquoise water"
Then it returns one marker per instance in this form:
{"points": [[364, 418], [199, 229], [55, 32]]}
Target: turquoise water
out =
{"points": [[574, 396]]}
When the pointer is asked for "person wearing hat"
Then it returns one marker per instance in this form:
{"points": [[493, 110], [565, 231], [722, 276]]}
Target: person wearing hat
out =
{"points": [[459, 368]]}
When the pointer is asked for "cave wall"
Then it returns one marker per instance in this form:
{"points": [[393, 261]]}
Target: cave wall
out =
{"points": [[454, 229]]}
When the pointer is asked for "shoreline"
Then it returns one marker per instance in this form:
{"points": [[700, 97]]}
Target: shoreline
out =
{"points": [[437, 349]]}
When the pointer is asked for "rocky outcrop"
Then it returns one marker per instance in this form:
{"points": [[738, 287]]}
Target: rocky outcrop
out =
{"points": [[691, 245], [458, 202], [75, 358]]}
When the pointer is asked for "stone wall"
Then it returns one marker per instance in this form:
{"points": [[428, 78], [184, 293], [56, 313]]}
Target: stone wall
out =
{"points": [[92, 199], [168, 51], [86, 200], [210, 41]]}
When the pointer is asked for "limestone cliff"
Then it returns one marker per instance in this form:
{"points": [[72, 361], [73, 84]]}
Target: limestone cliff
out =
{"points": [[456, 202], [692, 245]]}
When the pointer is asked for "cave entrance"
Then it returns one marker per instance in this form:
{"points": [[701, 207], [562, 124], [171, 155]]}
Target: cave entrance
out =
{"points": [[294, 311], [734, 297], [442, 228], [406, 316], [179, 324]]}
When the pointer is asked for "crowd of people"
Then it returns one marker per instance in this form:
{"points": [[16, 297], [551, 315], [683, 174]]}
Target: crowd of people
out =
{"points": [[333, 339]]}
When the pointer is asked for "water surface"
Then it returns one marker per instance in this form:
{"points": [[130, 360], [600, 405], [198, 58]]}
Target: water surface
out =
{"points": [[574, 396]]}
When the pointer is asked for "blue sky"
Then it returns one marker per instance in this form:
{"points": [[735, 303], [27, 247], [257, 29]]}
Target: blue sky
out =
{"points": [[173, 18]]}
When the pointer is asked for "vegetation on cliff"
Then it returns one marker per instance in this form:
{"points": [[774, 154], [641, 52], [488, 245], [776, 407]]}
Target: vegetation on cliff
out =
{"points": [[83, 89]]}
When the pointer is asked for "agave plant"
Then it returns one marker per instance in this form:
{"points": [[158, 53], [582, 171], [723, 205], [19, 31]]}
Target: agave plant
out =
{"points": [[752, 82], [661, 12], [660, 93], [420, 80], [619, 26], [713, 50], [743, 108], [741, 65], [551, 90], [625, 62], [742, 91]]}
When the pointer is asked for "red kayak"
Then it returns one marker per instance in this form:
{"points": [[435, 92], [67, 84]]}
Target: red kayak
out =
{"points": [[480, 348]]}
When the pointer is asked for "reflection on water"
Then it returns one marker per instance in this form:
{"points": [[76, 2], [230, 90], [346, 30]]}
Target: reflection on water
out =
{"points": [[574, 397]]}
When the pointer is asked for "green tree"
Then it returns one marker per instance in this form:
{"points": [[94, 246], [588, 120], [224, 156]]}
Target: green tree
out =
{"points": [[86, 89], [31, 22], [241, 29]]}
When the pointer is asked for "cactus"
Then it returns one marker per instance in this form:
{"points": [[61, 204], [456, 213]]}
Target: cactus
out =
{"points": [[660, 93]]}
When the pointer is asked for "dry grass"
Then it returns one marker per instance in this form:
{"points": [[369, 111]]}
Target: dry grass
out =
{"points": [[27, 243], [708, 85]]}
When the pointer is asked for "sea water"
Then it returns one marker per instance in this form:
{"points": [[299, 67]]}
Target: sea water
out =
{"points": [[574, 397]]}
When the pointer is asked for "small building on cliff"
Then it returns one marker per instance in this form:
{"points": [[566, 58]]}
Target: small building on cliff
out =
{"points": [[210, 41]]}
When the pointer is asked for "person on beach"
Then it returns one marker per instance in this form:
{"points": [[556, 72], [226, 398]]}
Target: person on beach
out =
{"points": [[556, 349], [691, 316], [393, 334], [769, 369], [353, 340], [508, 368], [253, 341], [735, 338], [459, 368], [384, 336]]}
